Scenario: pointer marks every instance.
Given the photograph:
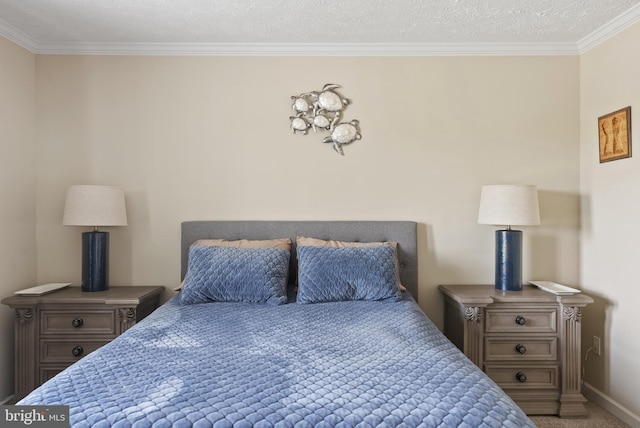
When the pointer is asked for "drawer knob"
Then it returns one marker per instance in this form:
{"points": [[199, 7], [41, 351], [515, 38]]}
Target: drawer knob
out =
{"points": [[520, 320], [521, 377], [521, 348], [77, 351], [77, 322]]}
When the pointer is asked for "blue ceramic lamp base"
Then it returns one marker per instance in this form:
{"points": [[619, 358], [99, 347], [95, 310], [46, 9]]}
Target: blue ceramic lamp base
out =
{"points": [[95, 261], [509, 260]]}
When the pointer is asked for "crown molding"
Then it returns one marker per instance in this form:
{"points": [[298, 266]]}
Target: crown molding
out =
{"points": [[310, 49], [610, 29], [11, 33]]}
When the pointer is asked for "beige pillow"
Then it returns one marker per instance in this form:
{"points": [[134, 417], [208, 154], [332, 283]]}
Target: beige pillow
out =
{"points": [[284, 244], [302, 241]]}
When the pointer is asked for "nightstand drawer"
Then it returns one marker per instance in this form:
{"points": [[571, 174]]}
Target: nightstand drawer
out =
{"points": [[520, 349], [521, 321], [525, 376], [77, 322], [67, 350]]}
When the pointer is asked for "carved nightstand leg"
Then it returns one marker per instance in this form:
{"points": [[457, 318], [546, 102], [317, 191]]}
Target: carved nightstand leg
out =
{"points": [[126, 318], [25, 356], [572, 402], [473, 333]]}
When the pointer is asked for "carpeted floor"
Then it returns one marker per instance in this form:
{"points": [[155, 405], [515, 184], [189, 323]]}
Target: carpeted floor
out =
{"points": [[598, 418]]}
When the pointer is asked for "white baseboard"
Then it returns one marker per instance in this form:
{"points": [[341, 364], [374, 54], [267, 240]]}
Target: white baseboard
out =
{"points": [[6, 400], [612, 406]]}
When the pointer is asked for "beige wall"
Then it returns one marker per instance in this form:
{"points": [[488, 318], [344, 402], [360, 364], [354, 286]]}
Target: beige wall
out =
{"points": [[610, 212], [17, 190], [208, 138]]}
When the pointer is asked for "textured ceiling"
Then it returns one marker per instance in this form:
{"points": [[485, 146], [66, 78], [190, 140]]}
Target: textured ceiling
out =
{"points": [[43, 25]]}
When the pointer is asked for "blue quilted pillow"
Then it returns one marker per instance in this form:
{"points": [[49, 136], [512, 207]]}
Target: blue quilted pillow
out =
{"points": [[228, 274], [330, 274]]}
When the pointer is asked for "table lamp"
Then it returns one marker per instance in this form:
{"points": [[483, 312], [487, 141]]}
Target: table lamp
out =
{"points": [[509, 205], [89, 205]]}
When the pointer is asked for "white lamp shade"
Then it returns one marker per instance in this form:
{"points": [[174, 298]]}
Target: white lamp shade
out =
{"points": [[509, 205], [88, 205]]}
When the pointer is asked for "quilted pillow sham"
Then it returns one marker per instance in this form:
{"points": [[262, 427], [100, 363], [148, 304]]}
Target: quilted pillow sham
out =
{"points": [[331, 274], [230, 274], [315, 242], [284, 243]]}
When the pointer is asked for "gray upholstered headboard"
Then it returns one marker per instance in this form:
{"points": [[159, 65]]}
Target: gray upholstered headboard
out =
{"points": [[402, 232]]}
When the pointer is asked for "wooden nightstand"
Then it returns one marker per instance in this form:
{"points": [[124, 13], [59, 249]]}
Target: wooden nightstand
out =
{"points": [[55, 330], [527, 341]]}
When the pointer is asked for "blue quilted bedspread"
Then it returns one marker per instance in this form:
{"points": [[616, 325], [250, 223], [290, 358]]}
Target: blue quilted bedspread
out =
{"points": [[345, 364]]}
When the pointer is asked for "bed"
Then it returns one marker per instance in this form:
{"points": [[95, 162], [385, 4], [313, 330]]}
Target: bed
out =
{"points": [[325, 354]]}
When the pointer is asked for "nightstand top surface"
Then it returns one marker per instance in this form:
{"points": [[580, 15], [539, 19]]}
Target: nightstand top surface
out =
{"points": [[484, 294], [115, 295]]}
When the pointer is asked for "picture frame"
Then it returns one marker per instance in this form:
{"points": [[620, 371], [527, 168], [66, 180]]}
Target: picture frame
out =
{"points": [[614, 130]]}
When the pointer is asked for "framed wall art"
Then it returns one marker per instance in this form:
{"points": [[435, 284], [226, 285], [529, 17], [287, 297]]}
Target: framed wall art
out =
{"points": [[614, 131]]}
